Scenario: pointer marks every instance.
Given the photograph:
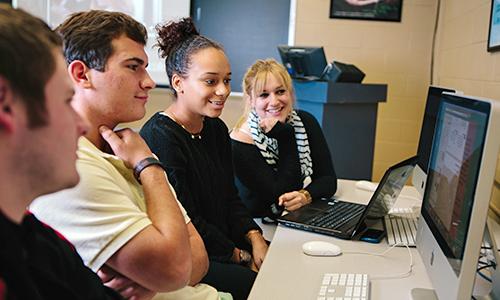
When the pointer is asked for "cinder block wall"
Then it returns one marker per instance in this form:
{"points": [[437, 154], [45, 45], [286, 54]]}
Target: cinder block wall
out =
{"points": [[463, 62], [396, 53]]}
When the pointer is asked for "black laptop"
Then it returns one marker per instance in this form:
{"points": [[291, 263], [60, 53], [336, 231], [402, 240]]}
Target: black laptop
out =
{"points": [[346, 219]]}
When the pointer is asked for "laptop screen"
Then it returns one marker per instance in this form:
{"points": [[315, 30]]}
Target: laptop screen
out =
{"points": [[389, 188]]}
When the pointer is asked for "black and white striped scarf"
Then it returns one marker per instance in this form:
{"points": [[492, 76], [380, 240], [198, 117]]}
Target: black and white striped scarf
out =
{"points": [[268, 147]]}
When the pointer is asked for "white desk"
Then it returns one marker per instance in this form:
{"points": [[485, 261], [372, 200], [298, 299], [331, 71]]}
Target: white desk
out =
{"points": [[289, 274]]}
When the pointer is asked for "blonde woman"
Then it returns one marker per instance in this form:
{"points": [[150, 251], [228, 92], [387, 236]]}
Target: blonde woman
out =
{"points": [[280, 156]]}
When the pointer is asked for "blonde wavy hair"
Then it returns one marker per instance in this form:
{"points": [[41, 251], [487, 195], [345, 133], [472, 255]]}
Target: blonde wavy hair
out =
{"points": [[255, 80]]}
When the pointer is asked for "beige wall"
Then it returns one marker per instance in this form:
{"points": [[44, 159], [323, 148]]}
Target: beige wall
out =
{"points": [[396, 53], [463, 62]]}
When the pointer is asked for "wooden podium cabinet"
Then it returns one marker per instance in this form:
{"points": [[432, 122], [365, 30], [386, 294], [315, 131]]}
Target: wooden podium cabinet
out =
{"points": [[347, 113]]}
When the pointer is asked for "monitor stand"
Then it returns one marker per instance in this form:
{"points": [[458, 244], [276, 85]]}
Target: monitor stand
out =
{"points": [[492, 229], [423, 294]]}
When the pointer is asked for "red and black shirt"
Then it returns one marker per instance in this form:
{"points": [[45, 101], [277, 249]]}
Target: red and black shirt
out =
{"points": [[35, 263]]}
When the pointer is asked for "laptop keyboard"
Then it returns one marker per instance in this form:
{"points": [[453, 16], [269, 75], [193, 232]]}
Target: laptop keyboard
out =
{"points": [[401, 226], [339, 214], [342, 286]]}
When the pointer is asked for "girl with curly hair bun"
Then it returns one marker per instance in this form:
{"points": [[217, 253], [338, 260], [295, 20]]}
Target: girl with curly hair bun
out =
{"points": [[194, 145]]}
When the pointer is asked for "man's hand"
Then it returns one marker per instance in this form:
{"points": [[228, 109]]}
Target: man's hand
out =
{"points": [[126, 287], [126, 144]]}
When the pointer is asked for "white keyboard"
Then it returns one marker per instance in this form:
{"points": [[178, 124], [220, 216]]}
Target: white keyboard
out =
{"points": [[342, 286], [401, 226]]}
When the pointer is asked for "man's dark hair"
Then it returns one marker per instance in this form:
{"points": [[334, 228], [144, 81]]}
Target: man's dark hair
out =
{"points": [[87, 35], [27, 59]]}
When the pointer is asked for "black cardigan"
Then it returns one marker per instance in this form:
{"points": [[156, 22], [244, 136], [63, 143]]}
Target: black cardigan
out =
{"points": [[201, 173], [260, 186]]}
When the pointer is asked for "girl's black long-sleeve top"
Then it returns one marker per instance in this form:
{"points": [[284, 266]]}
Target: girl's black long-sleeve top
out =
{"points": [[201, 172], [260, 185]]}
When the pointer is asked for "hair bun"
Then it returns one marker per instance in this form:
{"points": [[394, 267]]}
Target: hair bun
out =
{"points": [[172, 34]]}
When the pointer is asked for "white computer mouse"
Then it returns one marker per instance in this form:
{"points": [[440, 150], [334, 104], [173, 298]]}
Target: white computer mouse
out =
{"points": [[320, 248], [366, 185]]}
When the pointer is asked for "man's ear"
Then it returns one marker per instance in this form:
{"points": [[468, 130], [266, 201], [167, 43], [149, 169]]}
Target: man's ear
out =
{"points": [[79, 73], [177, 83], [6, 105]]}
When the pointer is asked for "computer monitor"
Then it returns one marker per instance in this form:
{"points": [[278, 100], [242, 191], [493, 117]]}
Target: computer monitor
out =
{"points": [[303, 62], [426, 134], [457, 193]]}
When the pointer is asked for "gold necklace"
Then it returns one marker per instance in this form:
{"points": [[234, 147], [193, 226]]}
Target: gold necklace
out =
{"points": [[194, 136]]}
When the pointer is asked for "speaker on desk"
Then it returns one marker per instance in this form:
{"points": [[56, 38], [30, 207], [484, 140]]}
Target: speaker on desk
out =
{"points": [[340, 72]]}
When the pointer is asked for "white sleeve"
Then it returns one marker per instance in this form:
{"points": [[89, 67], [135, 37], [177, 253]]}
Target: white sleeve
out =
{"points": [[98, 216]]}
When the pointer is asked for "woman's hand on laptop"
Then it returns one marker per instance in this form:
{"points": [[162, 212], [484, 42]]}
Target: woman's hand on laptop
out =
{"points": [[294, 200]]}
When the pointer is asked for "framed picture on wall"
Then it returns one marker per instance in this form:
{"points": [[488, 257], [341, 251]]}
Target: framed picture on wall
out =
{"points": [[378, 10], [494, 32]]}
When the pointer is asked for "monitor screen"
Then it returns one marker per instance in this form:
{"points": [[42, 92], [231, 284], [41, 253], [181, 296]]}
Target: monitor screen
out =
{"points": [[428, 124], [459, 183], [453, 174], [426, 135], [303, 62]]}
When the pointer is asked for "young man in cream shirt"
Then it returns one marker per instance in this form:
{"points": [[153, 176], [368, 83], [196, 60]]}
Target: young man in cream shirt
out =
{"points": [[123, 217]]}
